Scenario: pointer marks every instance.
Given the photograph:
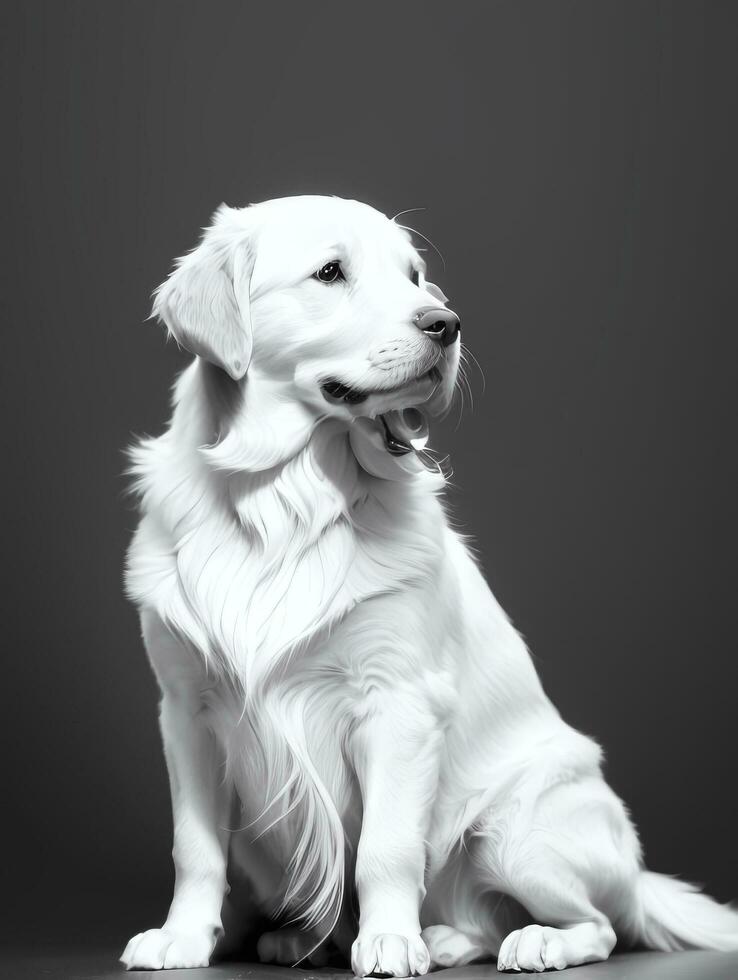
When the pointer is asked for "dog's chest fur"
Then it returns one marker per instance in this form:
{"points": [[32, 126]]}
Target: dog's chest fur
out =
{"points": [[253, 568]]}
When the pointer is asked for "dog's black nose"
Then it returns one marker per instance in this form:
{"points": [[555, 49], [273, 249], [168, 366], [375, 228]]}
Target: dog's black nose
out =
{"points": [[441, 325]]}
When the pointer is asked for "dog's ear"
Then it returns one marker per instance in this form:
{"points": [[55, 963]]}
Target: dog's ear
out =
{"points": [[205, 301]]}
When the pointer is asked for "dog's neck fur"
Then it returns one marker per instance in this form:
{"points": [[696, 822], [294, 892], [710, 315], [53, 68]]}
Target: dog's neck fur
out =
{"points": [[276, 530]]}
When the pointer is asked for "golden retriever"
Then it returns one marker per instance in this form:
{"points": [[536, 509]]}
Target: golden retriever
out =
{"points": [[329, 653]]}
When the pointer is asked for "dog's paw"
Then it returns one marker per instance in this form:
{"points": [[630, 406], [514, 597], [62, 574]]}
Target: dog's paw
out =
{"points": [[289, 946], [541, 948], [163, 949], [534, 948], [389, 954]]}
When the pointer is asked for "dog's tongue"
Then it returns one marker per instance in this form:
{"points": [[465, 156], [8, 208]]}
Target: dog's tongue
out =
{"points": [[405, 430]]}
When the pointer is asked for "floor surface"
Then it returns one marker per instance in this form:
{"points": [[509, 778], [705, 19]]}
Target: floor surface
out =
{"points": [[64, 964]]}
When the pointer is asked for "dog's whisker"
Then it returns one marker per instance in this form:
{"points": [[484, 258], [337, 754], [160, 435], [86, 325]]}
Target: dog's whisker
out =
{"points": [[464, 389], [459, 394], [464, 377], [426, 239], [406, 211], [466, 352]]}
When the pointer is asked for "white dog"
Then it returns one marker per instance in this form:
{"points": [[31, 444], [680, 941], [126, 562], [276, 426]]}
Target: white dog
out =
{"points": [[328, 652]]}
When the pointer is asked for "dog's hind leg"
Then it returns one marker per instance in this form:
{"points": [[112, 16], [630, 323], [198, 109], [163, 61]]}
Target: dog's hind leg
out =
{"points": [[451, 947], [572, 864], [474, 919]]}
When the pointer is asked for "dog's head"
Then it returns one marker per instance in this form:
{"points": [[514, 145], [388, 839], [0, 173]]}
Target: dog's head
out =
{"points": [[325, 302]]}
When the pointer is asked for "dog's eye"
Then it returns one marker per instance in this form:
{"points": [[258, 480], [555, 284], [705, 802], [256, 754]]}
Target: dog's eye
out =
{"points": [[415, 277], [331, 272]]}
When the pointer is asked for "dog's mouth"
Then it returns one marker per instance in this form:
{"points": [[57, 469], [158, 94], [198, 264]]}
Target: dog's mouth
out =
{"points": [[404, 430]]}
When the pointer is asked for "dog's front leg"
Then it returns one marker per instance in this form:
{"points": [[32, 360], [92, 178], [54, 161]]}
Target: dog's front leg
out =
{"points": [[395, 755], [200, 807]]}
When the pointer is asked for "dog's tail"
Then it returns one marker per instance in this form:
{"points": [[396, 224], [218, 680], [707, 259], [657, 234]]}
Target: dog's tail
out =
{"points": [[674, 915]]}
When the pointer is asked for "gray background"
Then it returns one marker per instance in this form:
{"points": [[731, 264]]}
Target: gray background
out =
{"points": [[577, 162]]}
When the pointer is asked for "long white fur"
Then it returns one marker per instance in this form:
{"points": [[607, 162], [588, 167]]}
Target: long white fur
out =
{"points": [[328, 649]]}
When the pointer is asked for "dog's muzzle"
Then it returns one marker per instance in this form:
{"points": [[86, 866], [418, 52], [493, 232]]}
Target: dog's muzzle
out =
{"points": [[405, 430]]}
